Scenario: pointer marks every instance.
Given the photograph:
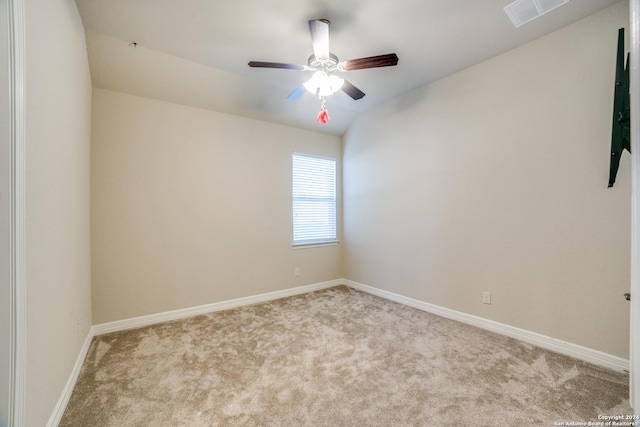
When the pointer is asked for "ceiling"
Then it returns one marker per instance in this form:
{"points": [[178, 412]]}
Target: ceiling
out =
{"points": [[195, 52]]}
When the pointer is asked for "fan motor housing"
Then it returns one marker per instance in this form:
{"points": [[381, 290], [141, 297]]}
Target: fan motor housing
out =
{"points": [[328, 65]]}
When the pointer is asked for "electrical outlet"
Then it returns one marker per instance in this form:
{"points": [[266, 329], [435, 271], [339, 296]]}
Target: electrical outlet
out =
{"points": [[486, 297], [79, 325], [296, 272]]}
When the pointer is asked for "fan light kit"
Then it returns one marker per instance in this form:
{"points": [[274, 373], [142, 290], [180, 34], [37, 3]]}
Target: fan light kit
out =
{"points": [[323, 84], [324, 81]]}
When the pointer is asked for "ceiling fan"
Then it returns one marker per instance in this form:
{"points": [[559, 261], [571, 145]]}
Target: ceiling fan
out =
{"points": [[324, 81]]}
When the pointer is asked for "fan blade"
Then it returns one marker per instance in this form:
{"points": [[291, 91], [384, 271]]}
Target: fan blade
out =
{"points": [[261, 64], [387, 60], [352, 91], [319, 29], [297, 93]]}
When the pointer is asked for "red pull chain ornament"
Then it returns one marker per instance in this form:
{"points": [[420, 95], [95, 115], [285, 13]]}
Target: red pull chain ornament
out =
{"points": [[323, 115]]}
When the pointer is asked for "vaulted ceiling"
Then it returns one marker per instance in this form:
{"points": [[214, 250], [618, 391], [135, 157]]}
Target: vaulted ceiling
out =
{"points": [[195, 52]]}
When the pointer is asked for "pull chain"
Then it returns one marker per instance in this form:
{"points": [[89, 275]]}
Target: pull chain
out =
{"points": [[323, 115]]}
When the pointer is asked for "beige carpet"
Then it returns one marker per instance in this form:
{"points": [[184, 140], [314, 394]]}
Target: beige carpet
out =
{"points": [[336, 357]]}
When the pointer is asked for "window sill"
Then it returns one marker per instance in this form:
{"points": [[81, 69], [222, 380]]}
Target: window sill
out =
{"points": [[314, 245]]}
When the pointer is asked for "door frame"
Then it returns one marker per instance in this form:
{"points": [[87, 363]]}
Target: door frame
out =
{"points": [[17, 257], [634, 71]]}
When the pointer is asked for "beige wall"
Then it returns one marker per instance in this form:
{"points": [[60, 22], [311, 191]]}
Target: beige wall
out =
{"points": [[58, 288], [495, 179], [191, 207]]}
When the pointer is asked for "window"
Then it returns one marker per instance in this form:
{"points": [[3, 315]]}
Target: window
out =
{"points": [[314, 199]]}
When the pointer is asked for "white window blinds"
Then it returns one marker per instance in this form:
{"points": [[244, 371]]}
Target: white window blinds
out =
{"points": [[314, 199]]}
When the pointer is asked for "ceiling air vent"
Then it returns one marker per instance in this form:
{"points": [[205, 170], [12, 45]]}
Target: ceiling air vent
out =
{"points": [[522, 11]]}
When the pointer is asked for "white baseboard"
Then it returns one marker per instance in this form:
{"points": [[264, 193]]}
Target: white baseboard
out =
{"points": [[136, 322], [586, 354], [58, 411], [579, 352]]}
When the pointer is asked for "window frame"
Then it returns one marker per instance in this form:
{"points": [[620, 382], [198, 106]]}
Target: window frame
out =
{"points": [[310, 243]]}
